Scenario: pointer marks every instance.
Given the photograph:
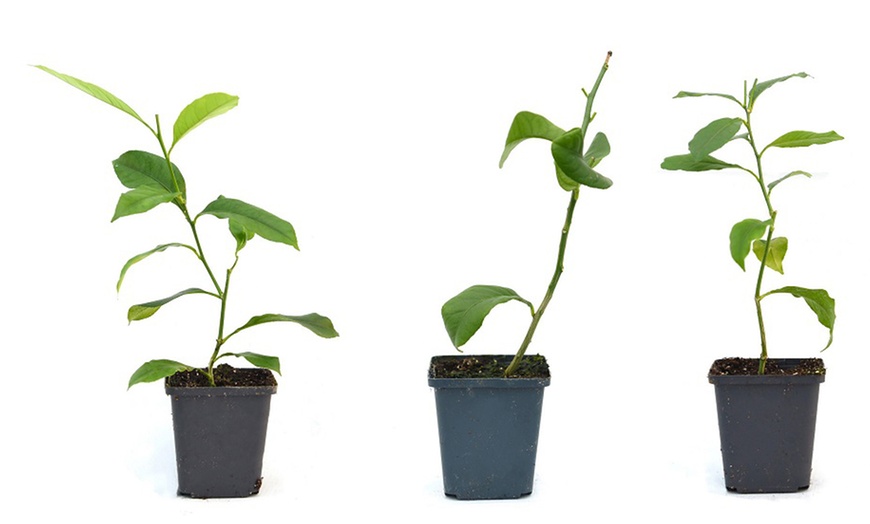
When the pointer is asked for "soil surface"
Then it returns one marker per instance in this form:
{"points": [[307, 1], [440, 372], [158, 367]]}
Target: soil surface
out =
{"points": [[224, 376], [487, 366], [749, 366]]}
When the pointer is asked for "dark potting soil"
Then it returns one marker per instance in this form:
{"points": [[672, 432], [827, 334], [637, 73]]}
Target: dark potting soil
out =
{"points": [[749, 366], [224, 376], [487, 366]]}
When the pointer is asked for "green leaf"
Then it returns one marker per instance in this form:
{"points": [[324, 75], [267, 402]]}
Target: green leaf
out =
{"points": [[95, 91], [742, 235], [143, 311], [241, 234], [200, 110], [140, 168], [566, 153], [318, 324], [564, 182], [142, 256], [261, 361], [598, 149], [819, 301], [528, 125], [156, 370], [688, 94], [775, 255], [690, 163], [253, 220], [776, 182], [141, 199], [803, 139], [464, 314], [713, 136], [761, 87]]}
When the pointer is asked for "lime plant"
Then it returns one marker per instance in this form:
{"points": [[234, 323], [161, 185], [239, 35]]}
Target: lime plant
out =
{"points": [[757, 234], [464, 314], [153, 180]]}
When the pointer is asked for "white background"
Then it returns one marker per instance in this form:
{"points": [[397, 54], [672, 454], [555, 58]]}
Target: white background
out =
{"points": [[376, 128]]}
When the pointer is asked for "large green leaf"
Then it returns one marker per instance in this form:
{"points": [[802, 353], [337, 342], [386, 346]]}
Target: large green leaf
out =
{"points": [[318, 324], [819, 301], [142, 256], [761, 87], [253, 220], [141, 199], [95, 91], [775, 255], [688, 94], [464, 314], [200, 110], [261, 361], [776, 182], [140, 168], [742, 235], [803, 139], [598, 149], [528, 125], [143, 311], [713, 136], [690, 163], [156, 370], [566, 153]]}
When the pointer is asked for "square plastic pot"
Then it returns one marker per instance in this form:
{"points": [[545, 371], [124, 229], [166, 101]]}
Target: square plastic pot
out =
{"points": [[767, 427], [488, 430]]}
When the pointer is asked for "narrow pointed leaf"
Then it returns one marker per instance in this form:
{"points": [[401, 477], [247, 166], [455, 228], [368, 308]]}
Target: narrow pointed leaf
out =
{"points": [[142, 199], [261, 361], [142, 256], [143, 311], [528, 125], [688, 94], [763, 86], [253, 220], [775, 255], [156, 370], [742, 235], [140, 168], [690, 163], [819, 301], [713, 136], [566, 153], [464, 314], [598, 149], [317, 324], [95, 91], [200, 110], [776, 182], [804, 139], [241, 234]]}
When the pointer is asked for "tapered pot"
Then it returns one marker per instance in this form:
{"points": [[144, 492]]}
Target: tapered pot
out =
{"points": [[767, 429], [488, 430], [220, 437]]}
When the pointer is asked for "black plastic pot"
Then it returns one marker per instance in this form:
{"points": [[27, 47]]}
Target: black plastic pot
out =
{"points": [[488, 430], [767, 426], [220, 436]]}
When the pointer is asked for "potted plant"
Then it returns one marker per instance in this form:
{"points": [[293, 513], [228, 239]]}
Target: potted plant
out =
{"points": [[220, 413], [766, 407], [489, 407]]}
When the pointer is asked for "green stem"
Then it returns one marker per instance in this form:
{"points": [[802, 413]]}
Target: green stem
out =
{"points": [[566, 228], [220, 338]]}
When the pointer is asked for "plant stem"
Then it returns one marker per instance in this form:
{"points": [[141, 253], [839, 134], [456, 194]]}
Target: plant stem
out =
{"points": [[566, 228]]}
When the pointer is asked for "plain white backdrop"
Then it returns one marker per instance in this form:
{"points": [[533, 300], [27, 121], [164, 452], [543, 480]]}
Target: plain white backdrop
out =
{"points": [[376, 128]]}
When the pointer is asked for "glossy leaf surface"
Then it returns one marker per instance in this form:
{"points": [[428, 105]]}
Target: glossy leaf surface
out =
{"points": [[761, 87], [690, 94], [775, 255], [598, 149], [200, 110], [690, 163], [317, 324], [819, 301], [143, 311], [742, 235], [804, 139], [528, 125], [566, 153], [464, 314], [156, 370], [139, 168], [261, 361], [713, 136], [253, 220], [141, 199], [142, 256], [95, 91]]}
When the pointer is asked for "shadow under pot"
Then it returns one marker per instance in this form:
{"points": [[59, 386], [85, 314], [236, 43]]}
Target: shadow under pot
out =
{"points": [[488, 430], [767, 426]]}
